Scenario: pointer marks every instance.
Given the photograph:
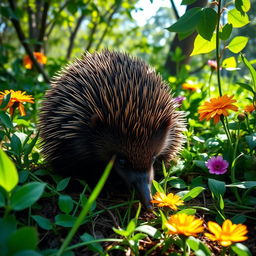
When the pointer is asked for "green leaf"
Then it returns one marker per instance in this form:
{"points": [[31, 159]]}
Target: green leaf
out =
{"points": [[193, 193], [131, 226], [28, 147], [5, 100], [187, 22], [226, 31], [237, 44], [95, 247], [237, 19], [203, 46], [8, 172], [149, 230], [62, 184], [25, 238], [188, 211], [176, 182], [28, 253], [251, 69], [243, 184], [65, 220], [198, 247], [65, 203], [243, 5], [16, 145], [247, 87], [251, 140], [229, 63], [5, 119], [221, 202], [26, 195], [217, 187], [42, 222], [240, 249], [207, 24], [121, 232], [157, 186], [187, 2]]}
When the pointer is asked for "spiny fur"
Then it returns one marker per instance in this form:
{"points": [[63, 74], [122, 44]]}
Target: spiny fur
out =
{"points": [[107, 103]]}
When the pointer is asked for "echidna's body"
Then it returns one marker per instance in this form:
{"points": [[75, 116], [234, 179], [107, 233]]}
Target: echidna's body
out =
{"points": [[109, 104]]}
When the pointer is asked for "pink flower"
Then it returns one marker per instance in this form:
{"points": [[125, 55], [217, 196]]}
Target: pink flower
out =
{"points": [[213, 64], [217, 165], [179, 99]]}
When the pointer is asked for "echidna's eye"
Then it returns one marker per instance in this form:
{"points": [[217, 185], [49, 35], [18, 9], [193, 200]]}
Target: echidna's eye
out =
{"points": [[122, 162], [153, 159]]}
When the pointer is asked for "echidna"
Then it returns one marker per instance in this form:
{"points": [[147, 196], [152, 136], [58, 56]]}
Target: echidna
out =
{"points": [[107, 104]]}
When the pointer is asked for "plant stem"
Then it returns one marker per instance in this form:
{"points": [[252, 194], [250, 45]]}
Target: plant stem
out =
{"points": [[226, 131], [184, 239], [217, 47], [87, 207]]}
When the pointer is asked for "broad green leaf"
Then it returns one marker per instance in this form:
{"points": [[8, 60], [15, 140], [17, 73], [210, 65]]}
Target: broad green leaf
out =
{"points": [[5, 100], [237, 44], [198, 247], [203, 46], [243, 184], [63, 184], [246, 86], [121, 232], [42, 222], [16, 145], [65, 220], [188, 211], [251, 140], [251, 69], [8, 173], [193, 193], [237, 19], [25, 238], [5, 119], [96, 247], [217, 187], [131, 226], [157, 186], [243, 5], [207, 24], [26, 195], [149, 230], [229, 63], [240, 249], [187, 22], [65, 203], [187, 2], [226, 31]]}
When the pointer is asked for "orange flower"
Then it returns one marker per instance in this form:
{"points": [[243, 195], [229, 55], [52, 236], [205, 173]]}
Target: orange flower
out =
{"points": [[228, 233], [16, 100], [27, 62], [216, 107], [169, 200], [183, 224], [249, 108], [192, 87]]}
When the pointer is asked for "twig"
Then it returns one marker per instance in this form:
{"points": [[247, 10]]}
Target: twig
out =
{"points": [[24, 43], [177, 16]]}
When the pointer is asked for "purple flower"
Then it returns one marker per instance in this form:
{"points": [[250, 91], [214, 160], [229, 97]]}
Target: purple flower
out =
{"points": [[179, 99], [217, 165]]}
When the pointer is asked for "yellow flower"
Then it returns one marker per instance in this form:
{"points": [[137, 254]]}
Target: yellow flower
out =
{"points": [[249, 108], [216, 107], [16, 100], [228, 233], [192, 87], [183, 224], [41, 58], [169, 200]]}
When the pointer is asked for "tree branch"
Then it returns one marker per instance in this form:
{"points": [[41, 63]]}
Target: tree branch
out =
{"points": [[41, 34], [22, 40], [73, 35], [177, 16]]}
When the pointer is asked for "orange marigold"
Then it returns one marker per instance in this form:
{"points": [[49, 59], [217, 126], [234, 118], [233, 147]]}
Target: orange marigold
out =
{"points": [[169, 200], [216, 107], [192, 87], [227, 234], [27, 62], [16, 100], [183, 224], [249, 108]]}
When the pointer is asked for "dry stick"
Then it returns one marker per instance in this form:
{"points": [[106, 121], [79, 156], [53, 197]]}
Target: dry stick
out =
{"points": [[22, 39], [41, 34]]}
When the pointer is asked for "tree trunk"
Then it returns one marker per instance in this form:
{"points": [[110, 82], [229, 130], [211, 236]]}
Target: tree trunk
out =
{"points": [[186, 45]]}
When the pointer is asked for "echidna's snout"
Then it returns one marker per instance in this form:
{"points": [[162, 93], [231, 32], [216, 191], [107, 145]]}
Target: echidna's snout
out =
{"points": [[140, 180]]}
